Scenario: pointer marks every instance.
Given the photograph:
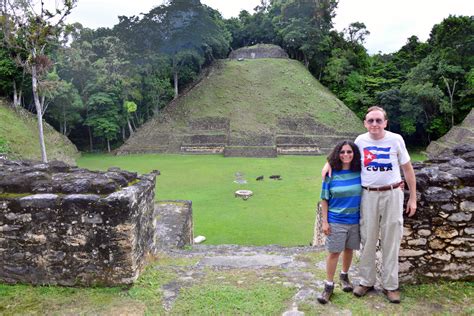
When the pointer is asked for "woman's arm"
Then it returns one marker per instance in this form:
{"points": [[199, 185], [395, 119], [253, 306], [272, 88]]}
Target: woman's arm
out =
{"points": [[326, 171], [324, 215]]}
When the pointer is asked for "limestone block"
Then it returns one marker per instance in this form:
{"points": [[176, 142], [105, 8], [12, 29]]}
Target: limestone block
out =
{"points": [[446, 232], [407, 231], [37, 238], [411, 253], [443, 214], [466, 193], [460, 217], [448, 207], [437, 194], [424, 232], [441, 256], [467, 206], [469, 230], [463, 254], [405, 266], [417, 242], [437, 244], [19, 217], [39, 201], [462, 241]]}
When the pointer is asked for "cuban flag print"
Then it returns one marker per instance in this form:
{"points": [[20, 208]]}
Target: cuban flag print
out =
{"points": [[377, 158]]}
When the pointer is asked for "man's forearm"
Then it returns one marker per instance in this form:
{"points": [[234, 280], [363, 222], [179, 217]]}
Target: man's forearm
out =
{"points": [[409, 174]]}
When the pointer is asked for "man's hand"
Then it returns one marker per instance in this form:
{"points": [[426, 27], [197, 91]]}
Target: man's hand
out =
{"points": [[409, 174], [327, 171], [326, 228], [411, 207]]}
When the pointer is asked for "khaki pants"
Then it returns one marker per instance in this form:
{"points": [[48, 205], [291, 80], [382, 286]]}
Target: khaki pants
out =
{"points": [[381, 212]]}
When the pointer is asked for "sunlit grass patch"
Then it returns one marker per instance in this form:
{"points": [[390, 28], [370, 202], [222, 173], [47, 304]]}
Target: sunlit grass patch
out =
{"points": [[215, 299], [41, 300]]}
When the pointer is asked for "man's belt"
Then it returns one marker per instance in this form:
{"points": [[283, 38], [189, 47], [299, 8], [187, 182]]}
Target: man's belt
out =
{"points": [[384, 188]]}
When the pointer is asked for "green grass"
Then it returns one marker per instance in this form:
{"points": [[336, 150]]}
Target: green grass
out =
{"points": [[41, 300], [217, 299], [279, 212], [19, 137]]}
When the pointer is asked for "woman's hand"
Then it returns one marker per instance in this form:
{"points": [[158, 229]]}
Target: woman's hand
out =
{"points": [[326, 228]]}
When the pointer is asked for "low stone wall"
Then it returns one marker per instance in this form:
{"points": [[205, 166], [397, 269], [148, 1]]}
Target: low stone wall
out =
{"points": [[259, 51], [248, 139], [71, 226], [438, 241], [250, 151], [298, 150], [205, 139], [205, 149]]}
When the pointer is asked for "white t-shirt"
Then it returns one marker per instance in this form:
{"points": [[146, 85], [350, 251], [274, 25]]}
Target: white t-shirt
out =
{"points": [[381, 159]]}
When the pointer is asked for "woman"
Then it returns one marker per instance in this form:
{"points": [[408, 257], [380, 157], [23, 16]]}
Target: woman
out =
{"points": [[340, 203]]}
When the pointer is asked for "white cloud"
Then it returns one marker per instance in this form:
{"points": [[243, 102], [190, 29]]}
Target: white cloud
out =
{"points": [[391, 23]]}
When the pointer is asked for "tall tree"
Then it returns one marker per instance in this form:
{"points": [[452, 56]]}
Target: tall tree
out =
{"points": [[188, 32], [33, 33]]}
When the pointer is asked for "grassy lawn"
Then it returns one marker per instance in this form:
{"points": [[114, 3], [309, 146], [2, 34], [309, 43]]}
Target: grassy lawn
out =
{"points": [[279, 212]]}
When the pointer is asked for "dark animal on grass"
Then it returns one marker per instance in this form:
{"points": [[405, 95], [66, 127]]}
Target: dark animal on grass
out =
{"points": [[259, 178], [275, 177]]}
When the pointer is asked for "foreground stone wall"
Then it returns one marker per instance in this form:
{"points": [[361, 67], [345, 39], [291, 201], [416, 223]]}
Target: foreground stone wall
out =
{"points": [[71, 226], [438, 241]]}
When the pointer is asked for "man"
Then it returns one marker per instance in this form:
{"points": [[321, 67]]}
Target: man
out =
{"points": [[382, 155]]}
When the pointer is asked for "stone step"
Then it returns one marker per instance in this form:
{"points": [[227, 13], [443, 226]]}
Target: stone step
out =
{"points": [[206, 149], [204, 139], [250, 151], [173, 225]]}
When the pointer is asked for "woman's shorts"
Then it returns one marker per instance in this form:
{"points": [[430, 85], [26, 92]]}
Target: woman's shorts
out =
{"points": [[343, 236]]}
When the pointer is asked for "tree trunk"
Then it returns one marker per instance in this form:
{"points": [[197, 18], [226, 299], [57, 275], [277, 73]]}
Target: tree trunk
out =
{"points": [[91, 145], [64, 120], [16, 96], [108, 145], [175, 79], [130, 127], [451, 97], [306, 61], [39, 112]]}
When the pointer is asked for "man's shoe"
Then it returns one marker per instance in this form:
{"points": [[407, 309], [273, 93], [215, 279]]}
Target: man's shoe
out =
{"points": [[324, 297], [361, 290], [392, 296], [345, 282]]}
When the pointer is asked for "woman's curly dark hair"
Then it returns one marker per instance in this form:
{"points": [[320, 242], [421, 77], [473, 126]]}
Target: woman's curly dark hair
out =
{"points": [[335, 162]]}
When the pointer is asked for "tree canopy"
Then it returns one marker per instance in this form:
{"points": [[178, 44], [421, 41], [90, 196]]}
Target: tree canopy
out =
{"points": [[100, 85]]}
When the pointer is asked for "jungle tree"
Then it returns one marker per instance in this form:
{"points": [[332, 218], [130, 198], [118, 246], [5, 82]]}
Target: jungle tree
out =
{"points": [[31, 33]]}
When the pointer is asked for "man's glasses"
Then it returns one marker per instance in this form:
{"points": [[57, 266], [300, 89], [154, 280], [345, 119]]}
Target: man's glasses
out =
{"points": [[342, 152], [378, 121]]}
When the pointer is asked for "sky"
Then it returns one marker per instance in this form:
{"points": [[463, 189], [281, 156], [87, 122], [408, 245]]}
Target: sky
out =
{"points": [[390, 22]]}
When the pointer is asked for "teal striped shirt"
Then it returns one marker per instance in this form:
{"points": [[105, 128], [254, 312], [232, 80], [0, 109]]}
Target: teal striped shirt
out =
{"points": [[343, 193]]}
